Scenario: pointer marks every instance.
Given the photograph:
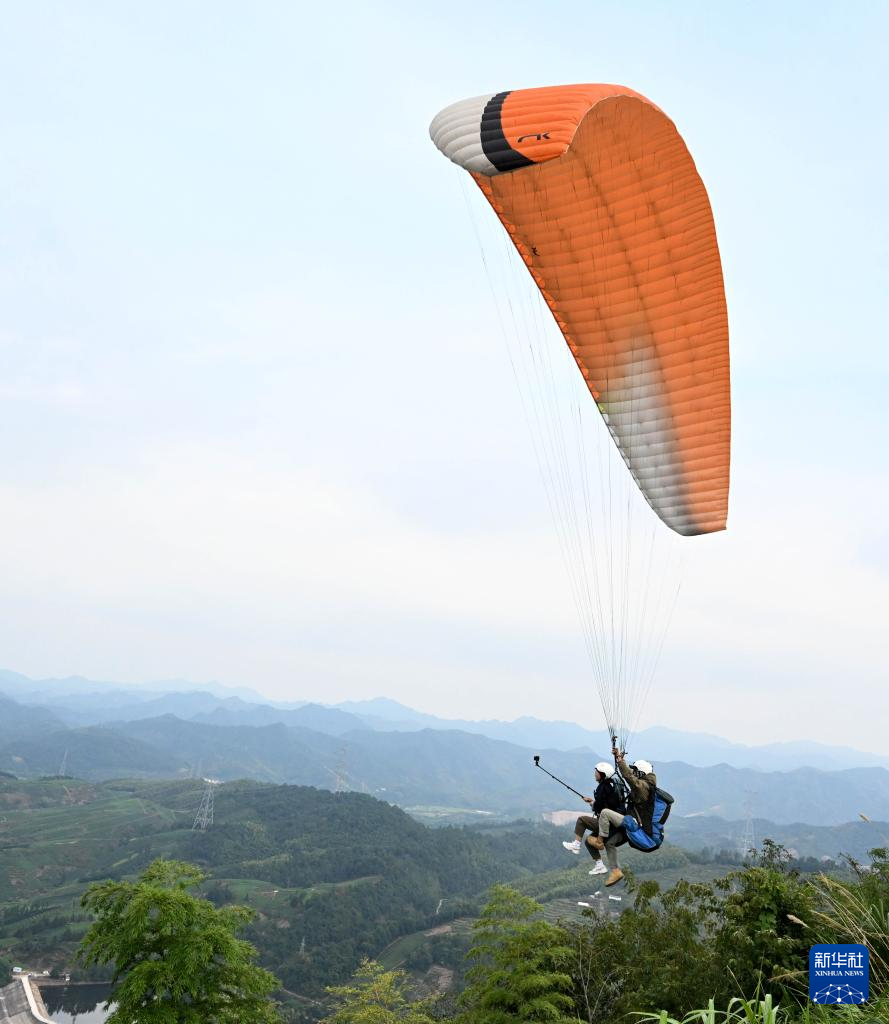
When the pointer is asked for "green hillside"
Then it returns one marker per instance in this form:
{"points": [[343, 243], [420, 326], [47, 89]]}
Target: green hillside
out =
{"points": [[333, 877]]}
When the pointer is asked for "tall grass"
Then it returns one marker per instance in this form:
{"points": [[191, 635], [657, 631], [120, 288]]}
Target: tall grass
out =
{"points": [[764, 1011], [739, 1011], [856, 915]]}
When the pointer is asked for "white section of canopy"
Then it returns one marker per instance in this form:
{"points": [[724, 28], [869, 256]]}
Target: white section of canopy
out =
{"points": [[456, 131]]}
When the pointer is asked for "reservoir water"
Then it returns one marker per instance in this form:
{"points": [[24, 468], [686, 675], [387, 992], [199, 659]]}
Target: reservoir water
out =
{"points": [[76, 1004]]}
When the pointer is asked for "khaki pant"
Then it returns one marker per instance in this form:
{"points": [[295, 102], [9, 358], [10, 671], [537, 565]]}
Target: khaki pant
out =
{"points": [[590, 823], [609, 820], [586, 823]]}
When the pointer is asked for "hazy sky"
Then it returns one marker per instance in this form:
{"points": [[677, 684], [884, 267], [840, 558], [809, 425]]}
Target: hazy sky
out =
{"points": [[255, 424]]}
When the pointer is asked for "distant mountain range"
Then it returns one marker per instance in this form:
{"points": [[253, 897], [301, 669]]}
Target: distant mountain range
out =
{"points": [[422, 769], [76, 701], [656, 743]]}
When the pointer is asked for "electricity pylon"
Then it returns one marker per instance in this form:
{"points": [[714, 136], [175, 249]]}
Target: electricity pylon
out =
{"points": [[204, 818], [747, 845], [341, 776]]}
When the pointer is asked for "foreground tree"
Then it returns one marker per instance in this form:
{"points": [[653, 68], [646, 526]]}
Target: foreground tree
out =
{"points": [[176, 957], [758, 942], [377, 996], [521, 968]]}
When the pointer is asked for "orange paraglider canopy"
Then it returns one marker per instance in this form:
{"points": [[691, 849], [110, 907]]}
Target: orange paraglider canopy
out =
{"points": [[603, 201]]}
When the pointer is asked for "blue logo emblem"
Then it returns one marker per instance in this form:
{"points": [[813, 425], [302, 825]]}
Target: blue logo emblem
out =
{"points": [[839, 973]]}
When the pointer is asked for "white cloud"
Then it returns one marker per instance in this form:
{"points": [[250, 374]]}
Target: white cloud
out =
{"points": [[207, 563]]}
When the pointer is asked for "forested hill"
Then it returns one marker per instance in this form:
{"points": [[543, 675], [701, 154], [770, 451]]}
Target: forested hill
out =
{"points": [[334, 876]]}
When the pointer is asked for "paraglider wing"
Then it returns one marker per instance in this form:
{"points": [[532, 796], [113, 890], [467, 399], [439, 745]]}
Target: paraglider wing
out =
{"points": [[605, 206]]}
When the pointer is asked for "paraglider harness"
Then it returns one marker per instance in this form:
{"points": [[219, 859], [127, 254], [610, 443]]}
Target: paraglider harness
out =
{"points": [[656, 811], [640, 838], [635, 834]]}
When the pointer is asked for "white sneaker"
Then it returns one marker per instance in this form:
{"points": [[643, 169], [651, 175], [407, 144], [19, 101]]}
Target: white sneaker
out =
{"points": [[572, 847], [599, 869]]}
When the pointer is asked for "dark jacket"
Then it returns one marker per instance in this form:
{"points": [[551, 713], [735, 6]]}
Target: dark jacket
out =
{"points": [[642, 793], [607, 796]]}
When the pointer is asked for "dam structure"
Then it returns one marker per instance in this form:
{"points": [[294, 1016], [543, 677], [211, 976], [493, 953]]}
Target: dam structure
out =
{"points": [[21, 1003]]}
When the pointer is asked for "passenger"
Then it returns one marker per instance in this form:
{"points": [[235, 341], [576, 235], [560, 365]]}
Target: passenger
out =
{"points": [[642, 783], [607, 797]]}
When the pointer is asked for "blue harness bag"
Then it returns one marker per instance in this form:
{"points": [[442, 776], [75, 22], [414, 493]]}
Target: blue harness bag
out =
{"points": [[637, 837]]}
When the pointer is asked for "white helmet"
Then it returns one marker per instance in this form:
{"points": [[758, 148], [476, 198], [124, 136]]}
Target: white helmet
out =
{"points": [[605, 768], [642, 767]]}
